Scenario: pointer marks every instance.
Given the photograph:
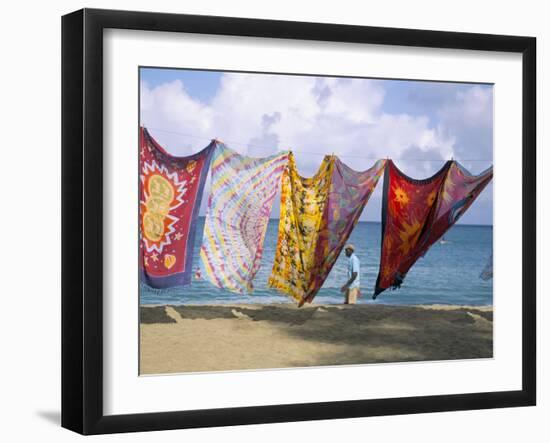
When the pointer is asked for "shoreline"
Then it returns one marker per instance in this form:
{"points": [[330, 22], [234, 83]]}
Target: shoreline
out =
{"points": [[435, 306], [222, 337]]}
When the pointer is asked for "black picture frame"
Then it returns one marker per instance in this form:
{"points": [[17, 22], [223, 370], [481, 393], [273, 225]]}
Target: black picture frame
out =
{"points": [[82, 215]]}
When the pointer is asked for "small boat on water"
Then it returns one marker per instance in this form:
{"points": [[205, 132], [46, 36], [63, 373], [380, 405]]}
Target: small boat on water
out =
{"points": [[443, 241]]}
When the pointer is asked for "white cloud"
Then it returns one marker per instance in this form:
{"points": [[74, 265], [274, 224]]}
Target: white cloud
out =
{"points": [[307, 114], [169, 107], [472, 108], [469, 118]]}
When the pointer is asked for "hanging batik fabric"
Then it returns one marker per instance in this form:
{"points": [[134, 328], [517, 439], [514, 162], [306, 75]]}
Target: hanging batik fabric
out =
{"points": [[170, 192], [302, 206], [349, 192], [239, 206], [416, 213], [487, 273]]}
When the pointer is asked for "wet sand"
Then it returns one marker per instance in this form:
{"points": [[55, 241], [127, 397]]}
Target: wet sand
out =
{"points": [[224, 337]]}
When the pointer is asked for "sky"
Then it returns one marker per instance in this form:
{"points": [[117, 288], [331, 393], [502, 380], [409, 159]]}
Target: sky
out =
{"points": [[418, 124]]}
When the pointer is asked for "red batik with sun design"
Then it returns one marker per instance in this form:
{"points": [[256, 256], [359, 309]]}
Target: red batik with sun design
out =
{"points": [[416, 213], [170, 194]]}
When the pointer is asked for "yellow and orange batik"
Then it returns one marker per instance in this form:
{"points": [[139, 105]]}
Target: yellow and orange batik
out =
{"points": [[302, 206]]}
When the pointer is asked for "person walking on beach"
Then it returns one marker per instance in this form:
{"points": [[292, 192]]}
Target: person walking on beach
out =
{"points": [[351, 288]]}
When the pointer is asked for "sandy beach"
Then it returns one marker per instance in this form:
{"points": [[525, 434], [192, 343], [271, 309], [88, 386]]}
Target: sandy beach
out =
{"points": [[222, 337]]}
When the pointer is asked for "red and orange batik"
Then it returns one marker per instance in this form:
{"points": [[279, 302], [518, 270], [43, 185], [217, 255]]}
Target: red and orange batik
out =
{"points": [[170, 192], [416, 213]]}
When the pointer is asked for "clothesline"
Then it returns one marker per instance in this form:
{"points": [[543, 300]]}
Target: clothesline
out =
{"points": [[318, 153], [317, 216]]}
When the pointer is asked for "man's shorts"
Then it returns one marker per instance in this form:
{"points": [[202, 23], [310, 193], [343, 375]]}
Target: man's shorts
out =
{"points": [[351, 296]]}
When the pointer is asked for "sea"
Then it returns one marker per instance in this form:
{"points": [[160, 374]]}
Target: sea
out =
{"points": [[449, 273]]}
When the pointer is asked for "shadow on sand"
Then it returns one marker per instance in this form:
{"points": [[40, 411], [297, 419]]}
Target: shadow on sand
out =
{"points": [[365, 333]]}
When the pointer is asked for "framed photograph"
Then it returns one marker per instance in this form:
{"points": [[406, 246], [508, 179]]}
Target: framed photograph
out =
{"points": [[268, 221]]}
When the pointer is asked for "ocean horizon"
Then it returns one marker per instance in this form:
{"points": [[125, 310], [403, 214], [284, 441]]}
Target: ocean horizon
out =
{"points": [[447, 274]]}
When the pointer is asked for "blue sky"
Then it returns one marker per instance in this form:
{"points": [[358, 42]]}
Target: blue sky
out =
{"points": [[418, 124], [201, 85]]}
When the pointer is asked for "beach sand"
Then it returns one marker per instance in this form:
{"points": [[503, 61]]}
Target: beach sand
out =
{"points": [[223, 337]]}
